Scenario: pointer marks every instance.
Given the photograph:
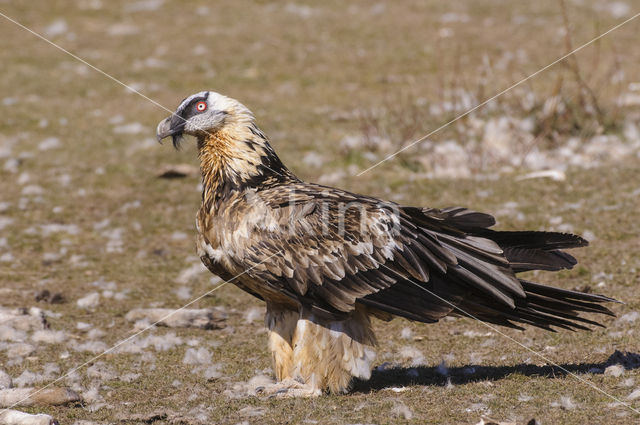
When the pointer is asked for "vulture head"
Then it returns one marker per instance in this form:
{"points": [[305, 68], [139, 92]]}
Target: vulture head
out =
{"points": [[202, 114]]}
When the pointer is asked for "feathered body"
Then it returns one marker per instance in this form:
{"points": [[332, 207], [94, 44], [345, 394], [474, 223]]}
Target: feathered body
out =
{"points": [[325, 260]]}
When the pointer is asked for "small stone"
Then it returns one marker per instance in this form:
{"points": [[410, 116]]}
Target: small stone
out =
{"points": [[634, 395], [15, 417], [178, 171], [5, 380], [206, 318], [615, 370], [90, 301], [52, 396]]}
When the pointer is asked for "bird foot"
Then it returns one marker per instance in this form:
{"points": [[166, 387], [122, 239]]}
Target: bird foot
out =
{"points": [[288, 388]]}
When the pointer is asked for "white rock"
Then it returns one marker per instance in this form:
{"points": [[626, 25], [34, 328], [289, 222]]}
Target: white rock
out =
{"points": [[199, 356], [95, 333], [32, 190], [82, 326], [56, 28], [206, 318], [9, 333], [15, 417], [406, 333], [5, 380], [555, 175], [415, 356], [634, 395], [251, 411], [49, 229], [212, 372], [89, 301], [253, 313], [313, 159], [19, 350], [131, 128], [249, 388], [629, 317], [102, 371], [144, 5], [183, 292], [618, 9], [190, 273], [91, 346], [52, 396], [303, 11], [23, 320], [122, 28], [49, 336], [401, 410], [615, 370], [27, 378], [565, 403], [49, 143], [158, 342], [5, 221]]}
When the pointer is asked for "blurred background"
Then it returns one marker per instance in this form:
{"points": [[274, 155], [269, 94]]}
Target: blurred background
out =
{"points": [[337, 87]]}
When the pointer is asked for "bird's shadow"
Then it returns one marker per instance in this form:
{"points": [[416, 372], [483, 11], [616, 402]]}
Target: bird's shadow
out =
{"points": [[385, 377]]}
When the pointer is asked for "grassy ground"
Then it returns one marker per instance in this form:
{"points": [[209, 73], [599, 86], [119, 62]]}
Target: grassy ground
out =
{"points": [[314, 75]]}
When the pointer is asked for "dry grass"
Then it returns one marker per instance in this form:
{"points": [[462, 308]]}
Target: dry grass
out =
{"points": [[314, 74]]}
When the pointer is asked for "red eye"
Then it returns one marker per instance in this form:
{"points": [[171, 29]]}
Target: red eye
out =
{"points": [[201, 106]]}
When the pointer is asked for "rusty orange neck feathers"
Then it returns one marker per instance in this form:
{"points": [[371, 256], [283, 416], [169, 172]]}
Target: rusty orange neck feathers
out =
{"points": [[237, 158]]}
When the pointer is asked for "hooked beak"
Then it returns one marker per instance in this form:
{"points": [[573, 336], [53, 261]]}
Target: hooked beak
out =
{"points": [[171, 126]]}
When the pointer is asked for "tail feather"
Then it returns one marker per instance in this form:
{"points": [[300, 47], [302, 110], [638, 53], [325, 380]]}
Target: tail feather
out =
{"points": [[539, 305], [547, 241], [472, 271], [526, 259]]}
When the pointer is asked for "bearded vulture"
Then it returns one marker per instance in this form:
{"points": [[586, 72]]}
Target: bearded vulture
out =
{"points": [[326, 261]]}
